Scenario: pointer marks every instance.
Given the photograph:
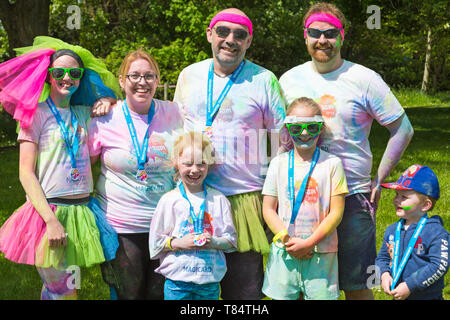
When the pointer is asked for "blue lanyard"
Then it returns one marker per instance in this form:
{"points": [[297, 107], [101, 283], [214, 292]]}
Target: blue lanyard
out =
{"points": [[197, 220], [299, 198], [210, 111], [141, 152], [71, 140], [398, 269]]}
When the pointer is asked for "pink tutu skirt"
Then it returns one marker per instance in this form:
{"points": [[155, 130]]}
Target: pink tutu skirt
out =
{"points": [[21, 234], [23, 238]]}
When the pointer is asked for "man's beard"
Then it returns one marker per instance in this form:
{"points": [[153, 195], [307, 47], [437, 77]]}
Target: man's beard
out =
{"points": [[322, 56]]}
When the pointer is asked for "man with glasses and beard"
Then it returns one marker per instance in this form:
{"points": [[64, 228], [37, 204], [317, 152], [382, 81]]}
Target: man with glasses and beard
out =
{"points": [[235, 102], [351, 96]]}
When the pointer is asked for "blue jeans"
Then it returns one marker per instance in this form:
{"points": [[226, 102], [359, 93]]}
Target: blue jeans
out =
{"points": [[180, 290]]}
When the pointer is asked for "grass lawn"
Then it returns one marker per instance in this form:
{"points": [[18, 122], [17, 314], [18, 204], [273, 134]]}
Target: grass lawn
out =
{"points": [[430, 146]]}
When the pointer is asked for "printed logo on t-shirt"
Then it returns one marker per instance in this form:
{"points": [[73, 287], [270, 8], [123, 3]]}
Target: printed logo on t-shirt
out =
{"points": [[327, 104], [225, 113], [157, 150], [312, 190], [187, 225]]}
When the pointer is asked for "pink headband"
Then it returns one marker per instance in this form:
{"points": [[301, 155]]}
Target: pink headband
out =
{"points": [[325, 17], [234, 18]]}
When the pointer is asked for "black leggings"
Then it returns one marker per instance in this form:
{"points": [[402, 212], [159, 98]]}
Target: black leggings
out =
{"points": [[132, 273]]}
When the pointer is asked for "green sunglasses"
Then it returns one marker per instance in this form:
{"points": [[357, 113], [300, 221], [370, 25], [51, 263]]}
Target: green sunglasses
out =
{"points": [[296, 129], [59, 73]]}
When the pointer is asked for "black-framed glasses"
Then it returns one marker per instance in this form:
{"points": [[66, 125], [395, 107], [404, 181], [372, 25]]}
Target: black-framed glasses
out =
{"points": [[223, 32], [59, 73], [148, 77], [329, 33], [296, 129]]}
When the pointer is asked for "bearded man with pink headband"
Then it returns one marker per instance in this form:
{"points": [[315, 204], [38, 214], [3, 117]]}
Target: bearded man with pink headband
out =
{"points": [[351, 96], [236, 103]]}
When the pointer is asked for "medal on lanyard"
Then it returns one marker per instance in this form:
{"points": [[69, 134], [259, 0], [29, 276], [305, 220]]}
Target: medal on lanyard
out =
{"points": [[210, 109], [197, 219], [70, 140], [141, 152], [297, 202], [398, 269]]}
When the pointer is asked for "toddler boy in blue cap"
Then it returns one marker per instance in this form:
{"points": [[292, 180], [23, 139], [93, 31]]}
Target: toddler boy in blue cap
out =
{"points": [[413, 258]]}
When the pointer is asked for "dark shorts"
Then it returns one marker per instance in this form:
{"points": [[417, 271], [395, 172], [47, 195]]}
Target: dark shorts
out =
{"points": [[132, 273], [356, 243], [244, 277]]}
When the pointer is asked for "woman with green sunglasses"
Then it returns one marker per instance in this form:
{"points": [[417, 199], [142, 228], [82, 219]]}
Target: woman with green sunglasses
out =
{"points": [[304, 196]]}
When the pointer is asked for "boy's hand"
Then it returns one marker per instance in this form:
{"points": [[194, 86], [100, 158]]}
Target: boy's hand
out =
{"points": [[401, 292], [386, 282], [299, 248]]}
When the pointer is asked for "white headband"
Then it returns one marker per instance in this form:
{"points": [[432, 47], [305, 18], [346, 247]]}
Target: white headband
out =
{"points": [[295, 119]]}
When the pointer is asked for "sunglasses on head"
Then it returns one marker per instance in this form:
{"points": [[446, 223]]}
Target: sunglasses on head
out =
{"points": [[296, 129], [59, 73], [329, 33], [223, 32]]}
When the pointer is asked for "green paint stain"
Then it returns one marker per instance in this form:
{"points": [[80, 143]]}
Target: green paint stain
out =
{"points": [[407, 208], [338, 41]]}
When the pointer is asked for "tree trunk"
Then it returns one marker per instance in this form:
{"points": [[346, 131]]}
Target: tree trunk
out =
{"points": [[426, 71], [23, 20]]}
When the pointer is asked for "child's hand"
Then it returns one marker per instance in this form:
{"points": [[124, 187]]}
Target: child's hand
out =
{"points": [[386, 282], [401, 292], [102, 106], [56, 234], [185, 243], [299, 248]]}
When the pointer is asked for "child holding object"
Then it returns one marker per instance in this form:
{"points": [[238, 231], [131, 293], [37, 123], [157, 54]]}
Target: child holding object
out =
{"points": [[55, 229], [303, 204], [413, 258], [192, 226]]}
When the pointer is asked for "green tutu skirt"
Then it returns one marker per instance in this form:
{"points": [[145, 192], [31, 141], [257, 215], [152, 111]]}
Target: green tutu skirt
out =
{"points": [[246, 209], [83, 247]]}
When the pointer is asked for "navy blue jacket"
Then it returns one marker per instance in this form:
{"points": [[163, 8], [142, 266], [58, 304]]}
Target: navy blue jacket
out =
{"points": [[424, 272]]}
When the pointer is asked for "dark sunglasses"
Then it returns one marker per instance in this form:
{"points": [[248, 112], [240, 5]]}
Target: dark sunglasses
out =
{"points": [[329, 33], [296, 129], [59, 73], [223, 32]]}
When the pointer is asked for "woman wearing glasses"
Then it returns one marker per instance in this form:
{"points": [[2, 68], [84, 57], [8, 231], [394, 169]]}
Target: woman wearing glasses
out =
{"points": [[55, 229], [134, 142], [303, 203]]}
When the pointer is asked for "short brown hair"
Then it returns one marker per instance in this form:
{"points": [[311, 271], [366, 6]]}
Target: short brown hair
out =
{"points": [[135, 55], [327, 8]]}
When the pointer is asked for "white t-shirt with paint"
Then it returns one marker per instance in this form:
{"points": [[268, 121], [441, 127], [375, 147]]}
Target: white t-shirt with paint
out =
{"points": [[53, 165], [129, 203], [172, 219], [253, 105], [326, 180], [350, 97]]}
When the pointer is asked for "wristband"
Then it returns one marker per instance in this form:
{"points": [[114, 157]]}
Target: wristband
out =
{"points": [[169, 240], [279, 235]]}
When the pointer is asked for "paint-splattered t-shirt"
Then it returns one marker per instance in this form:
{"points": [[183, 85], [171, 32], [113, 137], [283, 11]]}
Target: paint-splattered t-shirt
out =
{"points": [[53, 165], [128, 202], [172, 219], [327, 180], [252, 106], [350, 98]]}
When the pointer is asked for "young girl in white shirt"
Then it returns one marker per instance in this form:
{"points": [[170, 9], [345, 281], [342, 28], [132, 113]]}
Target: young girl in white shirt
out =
{"points": [[192, 226], [303, 204]]}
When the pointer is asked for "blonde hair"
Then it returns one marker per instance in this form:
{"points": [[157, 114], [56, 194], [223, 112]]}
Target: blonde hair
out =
{"points": [[305, 102], [326, 8], [135, 55], [193, 139]]}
